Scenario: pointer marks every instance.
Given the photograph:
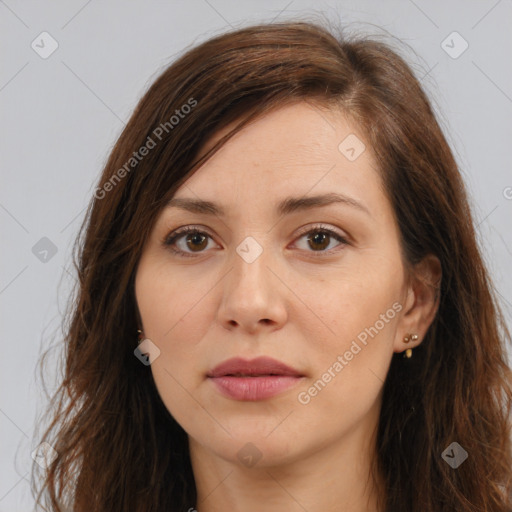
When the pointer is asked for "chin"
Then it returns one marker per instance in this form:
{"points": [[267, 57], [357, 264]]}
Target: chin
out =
{"points": [[251, 449]]}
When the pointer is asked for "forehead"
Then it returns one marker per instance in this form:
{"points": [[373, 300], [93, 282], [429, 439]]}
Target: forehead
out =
{"points": [[299, 149]]}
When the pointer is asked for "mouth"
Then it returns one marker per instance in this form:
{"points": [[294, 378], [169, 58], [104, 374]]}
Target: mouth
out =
{"points": [[253, 375], [254, 380], [259, 367]]}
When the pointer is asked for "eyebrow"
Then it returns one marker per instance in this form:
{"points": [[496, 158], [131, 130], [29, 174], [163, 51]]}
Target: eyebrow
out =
{"points": [[285, 207]]}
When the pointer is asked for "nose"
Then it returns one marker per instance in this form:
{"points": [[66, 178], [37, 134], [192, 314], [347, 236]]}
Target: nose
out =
{"points": [[253, 296]]}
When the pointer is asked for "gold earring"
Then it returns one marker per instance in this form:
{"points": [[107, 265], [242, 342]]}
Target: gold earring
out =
{"points": [[408, 352], [140, 336], [413, 337]]}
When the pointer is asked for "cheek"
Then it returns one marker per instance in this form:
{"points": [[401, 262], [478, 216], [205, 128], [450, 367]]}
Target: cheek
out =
{"points": [[178, 393], [176, 315], [167, 310], [359, 315], [354, 300], [169, 306], [351, 364]]}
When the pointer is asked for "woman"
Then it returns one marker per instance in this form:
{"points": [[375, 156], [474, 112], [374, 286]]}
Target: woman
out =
{"points": [[281, 304]]}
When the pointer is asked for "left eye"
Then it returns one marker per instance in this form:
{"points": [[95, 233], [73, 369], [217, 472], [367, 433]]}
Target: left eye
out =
{"points": [[319, 239]]}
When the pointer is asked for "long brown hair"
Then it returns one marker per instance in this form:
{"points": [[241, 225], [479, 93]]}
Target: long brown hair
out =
{"points": [[118, 448]]}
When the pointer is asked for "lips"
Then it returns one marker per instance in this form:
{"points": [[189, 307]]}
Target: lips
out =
{"points": [[258, 379], [261, 366]]}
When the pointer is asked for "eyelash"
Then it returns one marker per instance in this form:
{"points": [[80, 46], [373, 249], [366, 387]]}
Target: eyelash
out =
{"points": [[170, 240]]}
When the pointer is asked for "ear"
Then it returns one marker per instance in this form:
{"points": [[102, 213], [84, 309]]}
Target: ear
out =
{"points": [[421, 303]]}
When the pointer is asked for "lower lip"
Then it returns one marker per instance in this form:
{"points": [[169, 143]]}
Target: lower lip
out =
{"points": [[254, 388]]}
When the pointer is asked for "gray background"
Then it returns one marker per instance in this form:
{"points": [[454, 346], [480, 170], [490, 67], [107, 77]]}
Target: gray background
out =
{"points": [[61, 116]]}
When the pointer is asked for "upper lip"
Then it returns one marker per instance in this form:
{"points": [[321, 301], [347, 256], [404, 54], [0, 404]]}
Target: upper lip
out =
{"points": [[259, 366]]}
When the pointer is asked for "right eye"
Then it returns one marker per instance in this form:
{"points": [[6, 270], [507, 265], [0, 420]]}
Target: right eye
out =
{"points": [[188, 237]]}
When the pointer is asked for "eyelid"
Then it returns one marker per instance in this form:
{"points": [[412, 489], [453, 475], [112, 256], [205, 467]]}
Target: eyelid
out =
{"points": [[185, 229], [341, 237], [170, 239], [319, 226]]}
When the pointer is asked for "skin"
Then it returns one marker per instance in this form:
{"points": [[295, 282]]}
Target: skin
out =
{"points": [[294, 303]]}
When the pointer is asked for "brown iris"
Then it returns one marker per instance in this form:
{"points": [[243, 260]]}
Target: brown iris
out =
{"points": [[199, 238], [319, 237]]}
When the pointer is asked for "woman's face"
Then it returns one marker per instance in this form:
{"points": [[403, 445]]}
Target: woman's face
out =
{"points": [[318, 285]]}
